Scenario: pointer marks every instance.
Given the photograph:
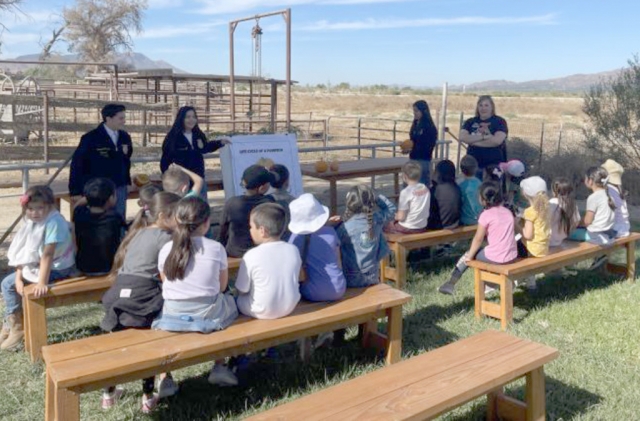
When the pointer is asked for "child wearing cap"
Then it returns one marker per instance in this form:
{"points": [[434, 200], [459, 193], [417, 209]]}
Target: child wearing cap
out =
{"points": [[513, 171], [319, 248], [536, 232], [234, 223]]}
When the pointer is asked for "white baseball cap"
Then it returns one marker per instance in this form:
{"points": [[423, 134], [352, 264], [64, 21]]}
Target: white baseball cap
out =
{"points": [[533, 185]]}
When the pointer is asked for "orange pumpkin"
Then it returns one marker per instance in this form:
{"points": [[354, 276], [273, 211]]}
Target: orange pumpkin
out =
{"points": [[335, 165], [406, 146], [141, 179], [321, 166]]}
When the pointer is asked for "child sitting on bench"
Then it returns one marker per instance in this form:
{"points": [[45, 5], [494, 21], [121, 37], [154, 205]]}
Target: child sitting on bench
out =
{"points": [[41, 252], [194, 277], [565, 216], [496, 223], [413, 204]]}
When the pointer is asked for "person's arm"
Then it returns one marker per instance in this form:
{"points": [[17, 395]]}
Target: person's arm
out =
{"points": [[198, 182], [476, 243], [470, 138], [214, 145], [401, 215], [243, 281], [224, 279], [46, 261], [129, 144], [163, 278], [388, 209], [168, 153], [490, 141], [78, 168], [403, 205], [589, 216], [527, 231], [19, 280]]}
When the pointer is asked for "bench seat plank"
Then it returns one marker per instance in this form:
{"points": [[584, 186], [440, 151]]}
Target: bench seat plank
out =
{"points": [[90, 367], [425, 386], [566, 254]]}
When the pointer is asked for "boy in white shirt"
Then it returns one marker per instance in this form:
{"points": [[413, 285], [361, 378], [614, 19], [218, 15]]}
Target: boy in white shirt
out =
{"points": [[413, 204], [268, 279]]}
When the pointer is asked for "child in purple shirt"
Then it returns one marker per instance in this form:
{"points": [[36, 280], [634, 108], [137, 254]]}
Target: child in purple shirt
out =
{"points": [[496, 223], [319, 248]]}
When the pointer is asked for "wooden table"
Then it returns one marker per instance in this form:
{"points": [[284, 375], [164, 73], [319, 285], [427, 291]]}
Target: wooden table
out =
{"points": [[356, 169], [213, 180]]}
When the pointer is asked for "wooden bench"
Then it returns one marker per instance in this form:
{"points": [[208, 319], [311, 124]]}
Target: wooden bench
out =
{"points": [[100, 361], [567, 254], [65, 293], [423, 387], [401, 244]]}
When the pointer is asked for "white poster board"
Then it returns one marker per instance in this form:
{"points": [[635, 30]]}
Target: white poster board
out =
{"points": [[247, 150]]}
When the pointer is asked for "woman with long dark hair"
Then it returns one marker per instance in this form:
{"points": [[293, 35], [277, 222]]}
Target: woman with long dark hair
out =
{"points": [[186, 143], [424, 136]]}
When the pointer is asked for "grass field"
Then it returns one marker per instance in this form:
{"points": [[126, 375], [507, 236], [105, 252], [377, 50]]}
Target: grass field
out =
{"points": [[592, 319]]}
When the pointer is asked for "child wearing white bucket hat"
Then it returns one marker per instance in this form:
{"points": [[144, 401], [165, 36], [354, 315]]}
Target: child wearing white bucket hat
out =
{"points": [[319, 248]]}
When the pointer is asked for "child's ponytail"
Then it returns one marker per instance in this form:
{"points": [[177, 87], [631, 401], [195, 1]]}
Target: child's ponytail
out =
{"points": [[563, 191], [161, 203], [361, 200], [191, 213]]}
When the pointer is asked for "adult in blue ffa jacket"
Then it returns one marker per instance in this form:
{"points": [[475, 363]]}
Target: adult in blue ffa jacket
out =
{"points": [[486, 135], [104, 152], [186, 143]]}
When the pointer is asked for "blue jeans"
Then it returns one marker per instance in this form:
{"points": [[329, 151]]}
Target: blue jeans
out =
{"points": [[425, 178], [13, 300], [121, 201]]}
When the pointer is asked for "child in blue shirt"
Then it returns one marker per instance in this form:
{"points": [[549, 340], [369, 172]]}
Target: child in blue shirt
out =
{"points": [[469, 186], [319, 248]]}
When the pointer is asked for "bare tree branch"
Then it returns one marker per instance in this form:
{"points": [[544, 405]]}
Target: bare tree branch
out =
{"points": [[56, 35]]}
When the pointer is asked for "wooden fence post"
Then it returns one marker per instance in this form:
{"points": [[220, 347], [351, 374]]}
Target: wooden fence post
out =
{"points": [[45, 118]]}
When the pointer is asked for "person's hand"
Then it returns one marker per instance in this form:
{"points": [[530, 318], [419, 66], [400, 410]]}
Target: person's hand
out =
{"points": [[19, 286], [40, 290], [175, 166], [334, 220]]}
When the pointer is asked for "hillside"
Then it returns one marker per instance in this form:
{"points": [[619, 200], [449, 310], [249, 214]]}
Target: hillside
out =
{"points": [[127, 61], [572, 83]]}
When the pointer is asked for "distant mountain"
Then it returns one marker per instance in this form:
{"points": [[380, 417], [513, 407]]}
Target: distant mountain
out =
{"points": [[126, 61], [573, 83]]}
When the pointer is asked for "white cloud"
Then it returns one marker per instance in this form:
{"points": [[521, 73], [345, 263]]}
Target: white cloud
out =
{"points": [[176, 31], [323, 25], [213, 7]]}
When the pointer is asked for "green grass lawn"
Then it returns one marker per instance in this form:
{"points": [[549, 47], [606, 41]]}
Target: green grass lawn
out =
{"points": [[591, 318]]}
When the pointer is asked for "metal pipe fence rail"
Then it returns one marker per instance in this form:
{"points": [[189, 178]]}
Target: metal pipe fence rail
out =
{"points": [[26, 168]]}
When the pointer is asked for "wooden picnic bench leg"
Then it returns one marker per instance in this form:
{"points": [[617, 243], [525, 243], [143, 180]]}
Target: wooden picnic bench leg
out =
{"points": [[506, 302], [26, 311], [37, 329], [401, 265], [67, 405], [394, 334], [631, 261], [479, 292], [50, 399], [535, 395]]}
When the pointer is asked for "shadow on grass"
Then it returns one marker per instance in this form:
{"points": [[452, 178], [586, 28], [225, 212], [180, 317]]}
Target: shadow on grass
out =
{"points": [[74, 334], [564, 402]]}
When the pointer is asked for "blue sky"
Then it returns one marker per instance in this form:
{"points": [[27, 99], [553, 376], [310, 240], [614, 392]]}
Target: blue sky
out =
{"points": [[407, 42]]}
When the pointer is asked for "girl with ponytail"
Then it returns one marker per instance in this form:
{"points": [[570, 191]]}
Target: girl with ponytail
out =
{"points": [[194, 272], [565, 216], [362, 243]]}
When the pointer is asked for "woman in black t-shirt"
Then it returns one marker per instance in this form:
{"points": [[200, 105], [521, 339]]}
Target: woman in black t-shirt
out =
{"points": [[486, 135]]}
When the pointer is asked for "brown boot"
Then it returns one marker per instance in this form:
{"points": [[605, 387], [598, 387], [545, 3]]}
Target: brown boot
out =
{"points": [[4, 334], [16, 334]]}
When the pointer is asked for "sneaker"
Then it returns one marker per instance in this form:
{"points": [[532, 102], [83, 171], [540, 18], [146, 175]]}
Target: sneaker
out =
{"points": [[110, 399], [448, 287], [324, 339], [167, 387], [222, 376], [598, 262], [149, 404]]}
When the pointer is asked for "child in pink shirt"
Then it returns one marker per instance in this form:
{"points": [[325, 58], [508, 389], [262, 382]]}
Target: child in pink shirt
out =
{"points": [[496, 223]]}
